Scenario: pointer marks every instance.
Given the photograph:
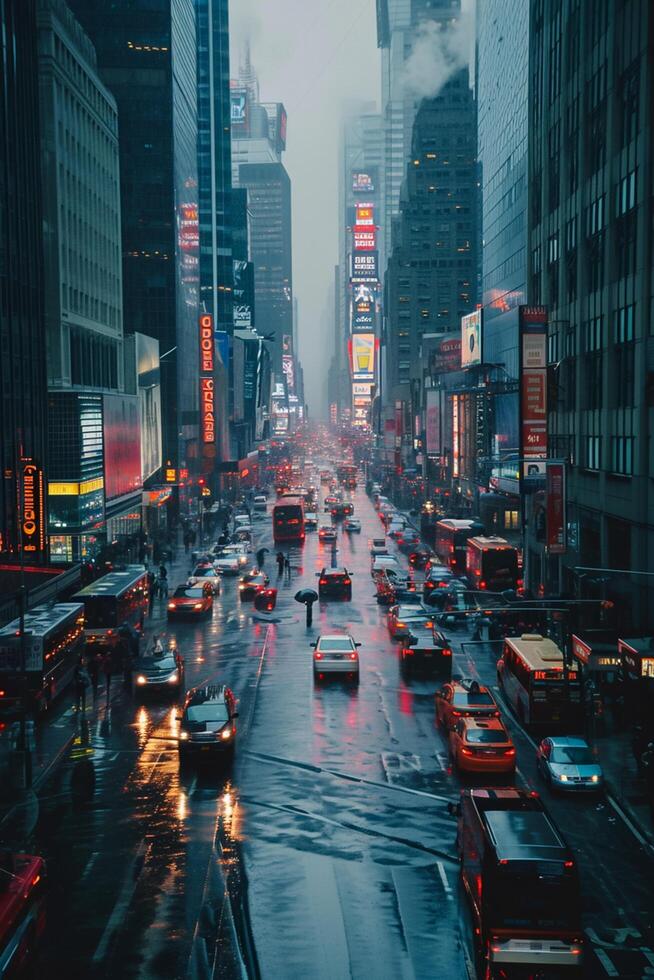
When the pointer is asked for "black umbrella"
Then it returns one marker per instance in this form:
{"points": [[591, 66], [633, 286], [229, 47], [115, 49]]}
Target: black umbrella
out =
{"points": [[306, 596]]}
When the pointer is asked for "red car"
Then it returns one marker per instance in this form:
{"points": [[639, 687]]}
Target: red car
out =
{"points": [[193, 601], [464, 699], [251, 583]]}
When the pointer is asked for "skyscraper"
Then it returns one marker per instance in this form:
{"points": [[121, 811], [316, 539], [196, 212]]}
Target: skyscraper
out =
{"points": [[22, 333], [214, 161], [591, 153], [147, 58]]}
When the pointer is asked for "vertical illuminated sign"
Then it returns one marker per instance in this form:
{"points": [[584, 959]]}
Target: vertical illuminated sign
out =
{"points": [[207, 383], [456, 450], [33, 509], [533, 388]]}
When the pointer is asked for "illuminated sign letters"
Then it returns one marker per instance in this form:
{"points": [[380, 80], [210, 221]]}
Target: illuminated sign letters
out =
{"points": [[206, 344], [33, 510], [207, 384]]}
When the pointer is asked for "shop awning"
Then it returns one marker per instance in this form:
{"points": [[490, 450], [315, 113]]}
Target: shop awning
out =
{"points": [[637, 656], [597, 650]]}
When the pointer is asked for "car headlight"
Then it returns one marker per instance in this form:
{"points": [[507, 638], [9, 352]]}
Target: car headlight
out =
{"points": [[141, 679], [183, 736], [226, 733], [563, 777], [594, 778], [171, 605], [197, 605], [174, 677]]}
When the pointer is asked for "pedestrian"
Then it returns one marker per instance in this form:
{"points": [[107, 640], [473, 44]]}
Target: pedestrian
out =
{"points": [[94, 670], [152, 587], [107, 667], [287, 568], [309, 612], [156, 650], [261, 557], [280, 564], [163, 572], [82, 683]]}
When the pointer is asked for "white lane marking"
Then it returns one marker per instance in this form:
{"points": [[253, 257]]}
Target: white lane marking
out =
{"points": [[606, 962], [634, 830], [441, 759], [648, 954], [119, 911], [89, 865], [446, 885]]}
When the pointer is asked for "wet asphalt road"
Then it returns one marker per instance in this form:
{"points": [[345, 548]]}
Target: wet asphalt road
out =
{"points": [[327, 850]]}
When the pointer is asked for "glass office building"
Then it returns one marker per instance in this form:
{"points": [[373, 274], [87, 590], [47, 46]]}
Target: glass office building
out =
{"points": [[22, 331]]}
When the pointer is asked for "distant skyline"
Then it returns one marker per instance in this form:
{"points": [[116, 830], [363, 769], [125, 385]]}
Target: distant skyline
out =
{"points": [[314, 56]]}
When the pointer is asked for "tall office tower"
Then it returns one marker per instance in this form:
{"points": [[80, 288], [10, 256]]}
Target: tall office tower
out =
{"points": [[398, 23], [431, 279], [215, 162], [591, 153], [23, 362], [83, 281], [258, 141], [147, 58]]}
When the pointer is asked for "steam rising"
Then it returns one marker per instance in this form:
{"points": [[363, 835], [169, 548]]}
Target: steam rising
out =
{"points": [[439, 51]]}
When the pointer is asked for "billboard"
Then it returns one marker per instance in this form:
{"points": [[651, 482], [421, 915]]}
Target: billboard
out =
{"points": [[239, 106], [362, 346], [365, 238], [446, 357], [364, 182], [122, 445], [243, 316], [365, 214], [364, 267], [433, 422], [149, 390], [556, 524], [532, 322], [471, 339], [362, 388], [207, 383], [289, 372]]}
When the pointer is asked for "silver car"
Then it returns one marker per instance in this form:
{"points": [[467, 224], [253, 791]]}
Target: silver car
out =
{"points": [[568, 764], [336, 654]]}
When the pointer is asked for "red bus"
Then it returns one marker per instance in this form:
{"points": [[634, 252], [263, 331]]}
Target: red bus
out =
{"points": [[492, 564], [451, 540], [22, 910], [117, 598], [288, 519]]}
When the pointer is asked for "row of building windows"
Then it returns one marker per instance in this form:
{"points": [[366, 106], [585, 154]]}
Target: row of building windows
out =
{"points": [[621, 458]]}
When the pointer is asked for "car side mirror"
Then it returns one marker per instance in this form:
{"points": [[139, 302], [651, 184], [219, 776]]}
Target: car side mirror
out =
{"points": [[312, 644], [357, 644], [235, 714]]}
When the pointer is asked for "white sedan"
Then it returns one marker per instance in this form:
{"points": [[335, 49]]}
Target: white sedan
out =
{"points": [[229, 564], [336, 653], [204, 573]]}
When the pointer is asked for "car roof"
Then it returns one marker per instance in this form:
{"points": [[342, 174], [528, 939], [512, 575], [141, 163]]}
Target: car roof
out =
{"points": [[335, 571], [335, 636], [212, 693], [495, 723], [560, 742], [468, 685]]}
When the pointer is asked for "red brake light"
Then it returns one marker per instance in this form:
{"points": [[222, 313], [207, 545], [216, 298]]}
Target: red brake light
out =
{"points": [[347, 581], [467, 751], [457, 714], [446, 652], [323, 581], [568, 864], [509, 751], [317, 655], [353, 655], [482, 585]]}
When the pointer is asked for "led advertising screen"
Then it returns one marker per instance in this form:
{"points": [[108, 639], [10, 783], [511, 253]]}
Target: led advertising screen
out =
{"points": [[147, 363], [471, 339], [365, 214], [239, 106], [364, 182], [243, 294], [363, 267], [533, 389], [122, 445], [365, 238], [362, 347]]}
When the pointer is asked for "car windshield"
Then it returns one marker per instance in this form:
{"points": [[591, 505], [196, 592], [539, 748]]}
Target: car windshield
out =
{"points": [[206, 712], [343, 645], [572, 755], [462, 699], [161, 663], [183, 593], [204, 573], [484, 736]]}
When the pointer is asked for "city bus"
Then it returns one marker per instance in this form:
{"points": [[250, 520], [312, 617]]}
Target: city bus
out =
{"points": [[451, 539], [288, 519], [52, 644], [113, 600], [536, 683], [522, 883], [492, 564], [346, 474]]}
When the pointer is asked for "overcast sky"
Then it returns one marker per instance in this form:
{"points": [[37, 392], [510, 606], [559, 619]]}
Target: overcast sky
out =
{"points": [[312, 55]]}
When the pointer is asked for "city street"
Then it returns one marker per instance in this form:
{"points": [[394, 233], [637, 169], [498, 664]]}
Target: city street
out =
{"points": [[331, 835]]}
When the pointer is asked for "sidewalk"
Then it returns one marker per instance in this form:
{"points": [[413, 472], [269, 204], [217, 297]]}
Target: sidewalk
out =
{"points": [[623, 782], [57, 732]]}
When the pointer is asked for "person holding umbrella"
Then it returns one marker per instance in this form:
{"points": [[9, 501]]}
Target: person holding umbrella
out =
{"points": [[307, 597], [261, 557]]}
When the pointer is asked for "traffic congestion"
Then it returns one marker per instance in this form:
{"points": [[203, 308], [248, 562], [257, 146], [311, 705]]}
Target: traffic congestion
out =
{"points": [[323, 747]]}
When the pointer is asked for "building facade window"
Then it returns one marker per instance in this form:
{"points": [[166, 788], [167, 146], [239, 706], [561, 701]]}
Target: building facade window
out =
{"points": [[593, 452], [622, 455]]}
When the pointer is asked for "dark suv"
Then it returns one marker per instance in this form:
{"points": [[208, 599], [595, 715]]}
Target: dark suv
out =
{"points": [[335, 583], [207, 726]]}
